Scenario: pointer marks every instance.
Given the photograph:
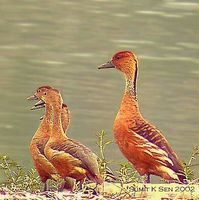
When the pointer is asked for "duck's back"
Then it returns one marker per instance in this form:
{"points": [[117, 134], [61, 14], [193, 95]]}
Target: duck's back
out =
{"points": [[155, 137], [77, 160]]}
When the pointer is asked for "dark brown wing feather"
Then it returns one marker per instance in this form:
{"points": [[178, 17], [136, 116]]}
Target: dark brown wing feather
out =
{"points": [[40, 146], [153, 135], [81, 152]]}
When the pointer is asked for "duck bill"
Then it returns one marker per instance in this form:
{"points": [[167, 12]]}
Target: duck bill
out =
{"points": [[40, 104], [107, 65], [33, 97], [37, 107]]}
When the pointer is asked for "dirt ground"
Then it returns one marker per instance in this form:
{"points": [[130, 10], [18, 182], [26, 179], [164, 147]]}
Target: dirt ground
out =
{"points": [[115, 191]]}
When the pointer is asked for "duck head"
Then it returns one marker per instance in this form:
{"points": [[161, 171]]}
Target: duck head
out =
{"points": [[124, 61], [65, 109], [50, 96], [37, 96]]}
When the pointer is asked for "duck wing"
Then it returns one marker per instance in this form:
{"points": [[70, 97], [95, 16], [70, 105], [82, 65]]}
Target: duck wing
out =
{"points": [[155, 143], [82, 153]]}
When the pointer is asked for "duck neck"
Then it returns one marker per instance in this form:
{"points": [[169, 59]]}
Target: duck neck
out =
{"points": [[57, 130], [44, 129], [65, 118], [129, 105], [48, 114], [131, 83]]}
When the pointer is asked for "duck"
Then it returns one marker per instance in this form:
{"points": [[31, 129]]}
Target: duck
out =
{"points": [[44, 168], [68, 156], [144, 145]]}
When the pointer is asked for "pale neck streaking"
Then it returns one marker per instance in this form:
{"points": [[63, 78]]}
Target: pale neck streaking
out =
{"points": [[131, 83], [48, 114], [129, 108], [65, 118]]}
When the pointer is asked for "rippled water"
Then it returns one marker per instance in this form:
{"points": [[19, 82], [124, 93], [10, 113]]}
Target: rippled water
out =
{"points": [[61, 43]]}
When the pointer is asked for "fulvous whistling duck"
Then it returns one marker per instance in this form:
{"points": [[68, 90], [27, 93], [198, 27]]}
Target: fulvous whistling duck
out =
{"points": [[45, 169], [69, 157], [140, 141]]}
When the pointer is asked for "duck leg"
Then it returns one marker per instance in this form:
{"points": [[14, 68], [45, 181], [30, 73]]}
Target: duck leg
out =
{"points": [[81, 182], [148, 180], [69, 184], [45, 187]]}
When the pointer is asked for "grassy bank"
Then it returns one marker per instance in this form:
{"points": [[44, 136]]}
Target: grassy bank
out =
{"points": [[123, 183]]}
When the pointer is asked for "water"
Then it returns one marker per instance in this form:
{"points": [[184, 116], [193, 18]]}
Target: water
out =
{"points": [[61, 43]]}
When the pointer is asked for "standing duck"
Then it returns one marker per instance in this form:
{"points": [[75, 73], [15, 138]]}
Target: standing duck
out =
{"points": [[140, 141], [45, 169], [69, 157]]}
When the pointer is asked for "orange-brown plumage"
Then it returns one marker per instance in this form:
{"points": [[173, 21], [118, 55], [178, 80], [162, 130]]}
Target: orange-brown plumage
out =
{"points": [[69, 157], [65, 117], [141, 142], [45, 169]]}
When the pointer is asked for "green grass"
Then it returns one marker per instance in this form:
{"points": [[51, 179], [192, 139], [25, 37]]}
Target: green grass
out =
{"points": [[17, 178], [189, 167]]}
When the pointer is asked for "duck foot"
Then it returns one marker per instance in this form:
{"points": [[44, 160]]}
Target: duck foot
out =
{"points": [[46, 194], [69, 184], [148, 180], [91, 191]]}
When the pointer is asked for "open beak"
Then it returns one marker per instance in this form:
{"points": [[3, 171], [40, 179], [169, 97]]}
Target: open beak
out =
{"points": [[107, 65], [38, 105], [33, 97]]}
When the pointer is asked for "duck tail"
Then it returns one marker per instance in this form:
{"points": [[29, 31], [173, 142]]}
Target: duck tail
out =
{"points": [[97, 178], [182, 177]]}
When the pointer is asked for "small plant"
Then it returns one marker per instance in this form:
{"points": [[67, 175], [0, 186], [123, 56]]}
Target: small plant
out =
{"points": [[16, 178], [126, 174], [103, 161], [188, 167]]}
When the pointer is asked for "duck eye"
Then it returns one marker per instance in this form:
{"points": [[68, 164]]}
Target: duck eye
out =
{"points": [[45, 93], [117, 57]]}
